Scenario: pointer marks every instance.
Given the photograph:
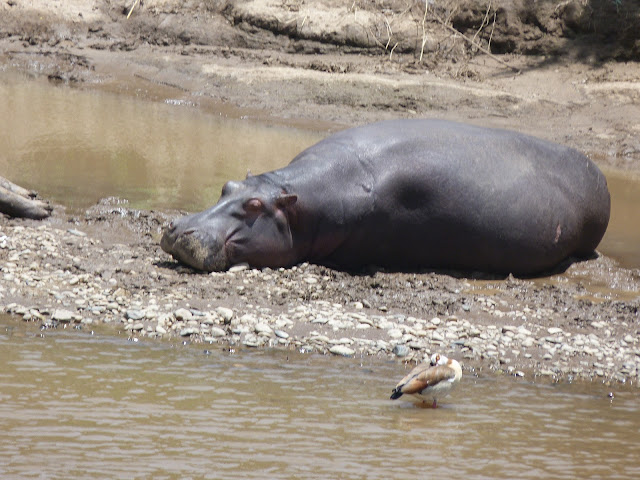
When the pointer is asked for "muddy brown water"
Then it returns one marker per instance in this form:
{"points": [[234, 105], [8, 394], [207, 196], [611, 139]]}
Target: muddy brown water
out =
{"points": [[94, 405], [76, 146]]}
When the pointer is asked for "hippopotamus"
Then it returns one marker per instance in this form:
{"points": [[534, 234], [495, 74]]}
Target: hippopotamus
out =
{"points": [[407, 195]]}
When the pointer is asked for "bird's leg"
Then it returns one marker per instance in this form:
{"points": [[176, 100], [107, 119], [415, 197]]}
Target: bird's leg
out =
{"points": [[434, 403]]}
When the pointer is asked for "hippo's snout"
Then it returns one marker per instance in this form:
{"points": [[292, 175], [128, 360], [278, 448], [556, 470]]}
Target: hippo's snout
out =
{"points": [[194, 246]]}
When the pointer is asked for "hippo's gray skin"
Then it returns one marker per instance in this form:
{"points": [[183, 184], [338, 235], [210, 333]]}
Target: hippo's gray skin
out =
{"points": [[406, 195]]}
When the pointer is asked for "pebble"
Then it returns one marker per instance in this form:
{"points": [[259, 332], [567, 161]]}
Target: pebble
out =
{"points": [[134, 315], [238, 268], [217, 332], [263, 329], [187, 332], [394, 333], [281, 334], [183, 314], [401, 350], [62, 315], [251, 341], [225, 313], [342, 350]]}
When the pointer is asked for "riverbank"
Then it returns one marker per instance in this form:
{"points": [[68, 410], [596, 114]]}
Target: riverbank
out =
{"points": [[106, 266]]}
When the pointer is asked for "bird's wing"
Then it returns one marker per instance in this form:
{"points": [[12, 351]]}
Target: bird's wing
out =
{"points": [[419, 379]]}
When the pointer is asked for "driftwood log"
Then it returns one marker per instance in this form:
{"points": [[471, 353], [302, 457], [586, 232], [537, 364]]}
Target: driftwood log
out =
{"points": [[16, 201]]}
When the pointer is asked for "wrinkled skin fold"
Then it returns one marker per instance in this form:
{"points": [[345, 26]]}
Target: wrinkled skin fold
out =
{"points": [[405, 195]]}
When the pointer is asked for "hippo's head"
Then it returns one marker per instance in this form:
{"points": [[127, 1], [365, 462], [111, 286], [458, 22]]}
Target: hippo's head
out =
{"points": [[249, 224]]}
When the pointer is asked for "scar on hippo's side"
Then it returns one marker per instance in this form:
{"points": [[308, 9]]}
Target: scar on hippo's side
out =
{"points": [[558, 233]]}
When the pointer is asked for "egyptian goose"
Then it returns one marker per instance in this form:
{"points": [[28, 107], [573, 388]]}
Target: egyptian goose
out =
{"points": [[429, 382]]}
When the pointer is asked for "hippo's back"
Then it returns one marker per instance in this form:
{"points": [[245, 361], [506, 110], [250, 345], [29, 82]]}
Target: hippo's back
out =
{"points": [[432, 193]]}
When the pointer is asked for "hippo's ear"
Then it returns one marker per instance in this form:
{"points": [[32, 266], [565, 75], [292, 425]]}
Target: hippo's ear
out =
{"points": [[249, 174], [286, 200]]}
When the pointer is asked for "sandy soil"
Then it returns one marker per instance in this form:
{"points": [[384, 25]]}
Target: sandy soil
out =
{"points": [[331, 64]]}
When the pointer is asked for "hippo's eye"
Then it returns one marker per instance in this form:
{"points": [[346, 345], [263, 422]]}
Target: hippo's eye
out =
{"points": [[253, 205]]}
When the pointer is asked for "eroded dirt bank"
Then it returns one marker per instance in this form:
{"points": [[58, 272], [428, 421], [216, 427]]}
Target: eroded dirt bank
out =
{"points": [[329, 65]]}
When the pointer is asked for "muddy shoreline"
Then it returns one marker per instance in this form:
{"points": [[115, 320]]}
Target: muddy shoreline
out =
{"points": [[106, 266]]}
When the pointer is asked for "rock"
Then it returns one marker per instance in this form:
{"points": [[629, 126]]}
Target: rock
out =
{"points": [[238, 268], [183, 314], [401, 350], [225, 313], [62, 315], [281, 334], [251, 341], [437, 336], [187, 332], [395, 333], [218, 332], [134, 314], [554, 330], [342, 350], [263, 329]]}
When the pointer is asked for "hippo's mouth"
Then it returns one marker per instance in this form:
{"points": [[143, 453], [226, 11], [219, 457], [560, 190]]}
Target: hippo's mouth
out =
{"points": [[194, 248]]}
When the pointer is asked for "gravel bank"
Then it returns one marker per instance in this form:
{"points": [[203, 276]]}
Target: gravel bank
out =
{"points": [[83, 273]]}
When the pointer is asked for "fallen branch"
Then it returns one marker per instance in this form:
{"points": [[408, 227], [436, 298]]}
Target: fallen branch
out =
{"points": [[16, 201], [473, 43], [132, 7], [424, 29]]}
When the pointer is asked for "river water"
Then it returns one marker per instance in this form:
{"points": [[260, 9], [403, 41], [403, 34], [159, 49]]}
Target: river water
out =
{"points": [[82, 405], [76, 146]]}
